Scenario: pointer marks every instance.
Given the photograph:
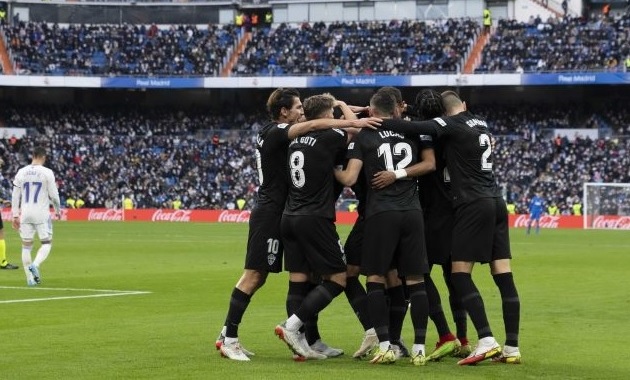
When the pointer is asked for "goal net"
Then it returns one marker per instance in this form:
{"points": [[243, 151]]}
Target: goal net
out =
{"points": [[607, 206]]}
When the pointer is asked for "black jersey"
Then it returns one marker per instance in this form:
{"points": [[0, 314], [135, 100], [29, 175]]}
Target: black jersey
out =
{"points": [[271, 160], [435, 187], [468, 147], [360, 191], [311, 162], [386, 150]]}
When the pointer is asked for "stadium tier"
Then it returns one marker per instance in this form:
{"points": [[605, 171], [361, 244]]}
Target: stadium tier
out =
{"points": [[353, 48], [556, 45]]}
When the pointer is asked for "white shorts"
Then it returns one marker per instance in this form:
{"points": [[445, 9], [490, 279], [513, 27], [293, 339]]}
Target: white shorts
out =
{"points": [[44, 231]]}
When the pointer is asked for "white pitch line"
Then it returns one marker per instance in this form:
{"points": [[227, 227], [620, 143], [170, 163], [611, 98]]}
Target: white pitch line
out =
{"points": [[69, 289], [75, 297]]}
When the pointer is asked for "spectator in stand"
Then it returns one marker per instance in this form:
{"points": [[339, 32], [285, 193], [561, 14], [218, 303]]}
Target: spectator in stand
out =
{"points": [[565, 8], [487, 21]]}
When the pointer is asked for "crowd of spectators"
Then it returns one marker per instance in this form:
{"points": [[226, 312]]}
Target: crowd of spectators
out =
{"points": [[558, 167], [351, 48], [558, 45], [106, 50], [157, 156], [337, 48]]}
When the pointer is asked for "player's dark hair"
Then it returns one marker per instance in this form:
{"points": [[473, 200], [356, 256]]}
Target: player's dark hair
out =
{"points": [[429, 104], [383, 104], [39, 152], [315, 106], [392, 91], [279, 99]]}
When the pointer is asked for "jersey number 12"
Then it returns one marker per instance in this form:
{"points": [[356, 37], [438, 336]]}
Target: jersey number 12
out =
{"points": [[400, 149]]}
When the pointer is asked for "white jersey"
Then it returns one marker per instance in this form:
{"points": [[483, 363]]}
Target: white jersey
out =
{"points": [[34, 189]]}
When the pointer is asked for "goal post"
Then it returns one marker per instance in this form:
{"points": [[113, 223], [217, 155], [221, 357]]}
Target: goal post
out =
{"points": [[606, 206]]}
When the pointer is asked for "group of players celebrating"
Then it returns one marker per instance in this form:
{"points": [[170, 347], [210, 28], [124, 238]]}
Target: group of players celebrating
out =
{"points": [[427, 196]]}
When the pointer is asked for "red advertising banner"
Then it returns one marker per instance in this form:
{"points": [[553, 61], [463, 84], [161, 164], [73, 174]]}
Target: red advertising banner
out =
{"points": [[610, 222], [343, 217], [548, 221]]}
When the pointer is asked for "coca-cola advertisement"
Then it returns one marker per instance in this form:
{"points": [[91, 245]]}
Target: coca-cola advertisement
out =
{"points": [[234, 216], [171, 215], [343, 217], [105, 215], [547, 221], [610, 222]]}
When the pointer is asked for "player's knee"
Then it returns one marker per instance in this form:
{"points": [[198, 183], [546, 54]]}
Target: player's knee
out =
{"points": [[500, 266], [299, 277], [251, 280], [414, 279], [353, 271], [338, 278], [392, 279]]}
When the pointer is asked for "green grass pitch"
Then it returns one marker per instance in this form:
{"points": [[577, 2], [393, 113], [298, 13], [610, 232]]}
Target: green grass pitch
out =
{"points": [[573, 285]]}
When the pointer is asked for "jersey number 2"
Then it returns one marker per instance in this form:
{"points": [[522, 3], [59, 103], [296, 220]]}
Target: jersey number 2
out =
{"points": [[484, 140]]}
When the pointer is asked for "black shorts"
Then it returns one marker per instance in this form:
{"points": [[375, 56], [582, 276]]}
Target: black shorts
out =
{"points": [[264, 243], [394, 240], [439, 238], [480, 233], [354, 242], [312, 245]]}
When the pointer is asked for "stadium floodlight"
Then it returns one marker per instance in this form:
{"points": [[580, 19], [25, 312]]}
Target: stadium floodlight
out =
{"points": [[606, 206]]}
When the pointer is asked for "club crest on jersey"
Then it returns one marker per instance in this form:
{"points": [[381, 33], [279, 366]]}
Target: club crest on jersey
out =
{"points": [[351, 146], [271, 258]]}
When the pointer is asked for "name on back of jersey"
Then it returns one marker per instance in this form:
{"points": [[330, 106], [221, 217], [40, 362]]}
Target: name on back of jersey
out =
{"points": [[306, 140], [473, 122], [386, 134]]}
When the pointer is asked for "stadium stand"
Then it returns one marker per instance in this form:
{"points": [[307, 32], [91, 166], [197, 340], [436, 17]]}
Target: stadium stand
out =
{"points": [[161, 154], [339, 48], [105, 50], [558, 45]]}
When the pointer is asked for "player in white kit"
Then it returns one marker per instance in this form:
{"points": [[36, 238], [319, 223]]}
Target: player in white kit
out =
{"points": [[34, 190]]}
